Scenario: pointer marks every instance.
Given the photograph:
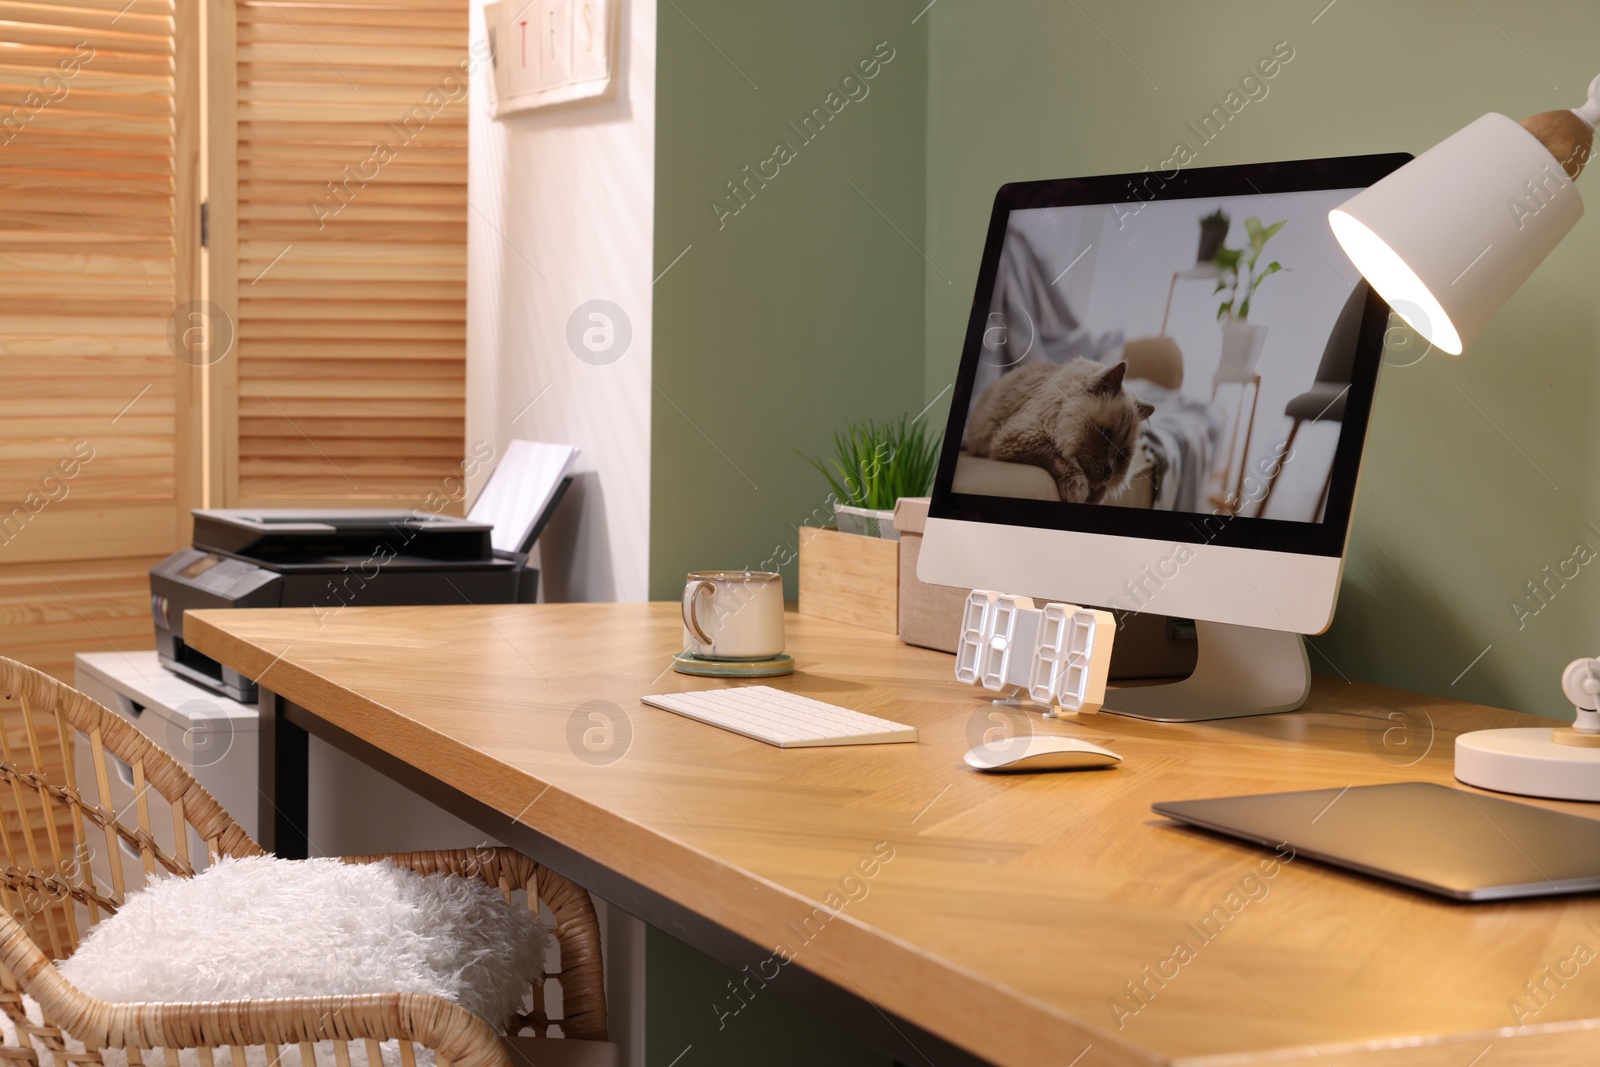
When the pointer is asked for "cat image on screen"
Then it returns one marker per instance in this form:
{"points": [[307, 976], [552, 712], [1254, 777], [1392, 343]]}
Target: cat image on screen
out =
{"points": [[1075, 421]]}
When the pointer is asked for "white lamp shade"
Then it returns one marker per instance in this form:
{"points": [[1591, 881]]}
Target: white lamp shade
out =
{"points": [[1448, 237]]}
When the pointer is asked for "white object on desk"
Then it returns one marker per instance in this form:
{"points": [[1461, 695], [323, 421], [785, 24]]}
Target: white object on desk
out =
{"points": [[1041, 752], [733, 615], [1561, 763], [784, 719], [1058, 654], [548, 51]]}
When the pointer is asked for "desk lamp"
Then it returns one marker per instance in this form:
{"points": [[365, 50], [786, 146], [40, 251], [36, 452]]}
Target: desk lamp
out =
{"points": [[1446, 240]]}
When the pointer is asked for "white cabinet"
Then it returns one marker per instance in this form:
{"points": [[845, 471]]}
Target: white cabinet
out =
{"points": [[212, 736], [354, 809]]}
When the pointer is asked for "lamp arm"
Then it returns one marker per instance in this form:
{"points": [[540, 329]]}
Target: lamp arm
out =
{"points": [[1569, 135]]}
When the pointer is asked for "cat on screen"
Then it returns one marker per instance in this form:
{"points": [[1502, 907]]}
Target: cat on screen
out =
{"points": [[1075, 421]]}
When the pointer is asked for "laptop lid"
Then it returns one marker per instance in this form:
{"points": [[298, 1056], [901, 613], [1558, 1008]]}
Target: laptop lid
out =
{"points": [[1449, 841]]}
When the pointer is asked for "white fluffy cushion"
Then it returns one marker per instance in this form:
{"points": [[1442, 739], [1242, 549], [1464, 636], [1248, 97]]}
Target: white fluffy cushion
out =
{"points": [[264, 927]]}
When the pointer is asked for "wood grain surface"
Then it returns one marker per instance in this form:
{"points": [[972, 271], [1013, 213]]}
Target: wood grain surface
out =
{"points": [[97, 142], [850, 578], [1029, 919]]}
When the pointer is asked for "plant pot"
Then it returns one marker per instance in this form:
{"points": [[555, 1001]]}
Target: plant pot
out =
{"points": [[866, 522], [1212, 233], [1241, 350]]}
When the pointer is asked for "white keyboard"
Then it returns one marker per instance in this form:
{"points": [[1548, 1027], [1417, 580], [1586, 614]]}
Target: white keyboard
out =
{"points": [[783, 719]]}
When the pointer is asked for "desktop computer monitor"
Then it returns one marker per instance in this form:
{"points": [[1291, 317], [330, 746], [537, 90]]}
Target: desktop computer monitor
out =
{"points": [[1161, 407]]}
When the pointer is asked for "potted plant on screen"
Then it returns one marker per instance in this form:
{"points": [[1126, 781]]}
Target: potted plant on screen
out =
{"points": [[872, 466], [1242, 274]]}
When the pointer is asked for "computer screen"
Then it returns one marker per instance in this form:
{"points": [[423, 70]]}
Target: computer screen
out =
{"points": [[1198, 365], [1163, 395]]}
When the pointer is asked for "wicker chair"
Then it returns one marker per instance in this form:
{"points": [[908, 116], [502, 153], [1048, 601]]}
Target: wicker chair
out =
{"points": [[51, 892]]}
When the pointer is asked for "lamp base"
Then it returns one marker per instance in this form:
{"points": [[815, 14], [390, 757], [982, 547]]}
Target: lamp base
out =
{"points": [[1529, 762]]}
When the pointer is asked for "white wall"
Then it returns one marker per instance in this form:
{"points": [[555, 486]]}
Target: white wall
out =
{"points": [[561, 213]]}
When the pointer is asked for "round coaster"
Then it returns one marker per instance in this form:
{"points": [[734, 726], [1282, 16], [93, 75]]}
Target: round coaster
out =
{"points": [[689, 663]]}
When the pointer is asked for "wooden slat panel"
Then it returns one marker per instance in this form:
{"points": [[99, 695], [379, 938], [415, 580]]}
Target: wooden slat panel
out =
{"points": [[279, 147], [14, 91], [339, 449], [299, 369], [61, 611], [88, 17], [49, 57], [396, 189], [309, 311], [90, 80], [65, 119], [353, 59], [434, 16], [103, 346], [289, 330], [45, 285], [259, 9], [345, 348], [88, 242], [331, 427], [88, 365], [81, 529], [348, 289], [346, 273], [28, 33], [133, 7], [370, 230]]}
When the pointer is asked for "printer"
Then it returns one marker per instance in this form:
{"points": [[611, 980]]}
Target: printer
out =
{"points": [[324, 560]]}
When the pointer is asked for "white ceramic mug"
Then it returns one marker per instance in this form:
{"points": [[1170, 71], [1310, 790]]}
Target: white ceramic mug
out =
{"points": [[734, 615]]}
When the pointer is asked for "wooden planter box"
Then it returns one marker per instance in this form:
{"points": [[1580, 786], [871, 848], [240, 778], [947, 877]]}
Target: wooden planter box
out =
{"points": [[849, 578]]}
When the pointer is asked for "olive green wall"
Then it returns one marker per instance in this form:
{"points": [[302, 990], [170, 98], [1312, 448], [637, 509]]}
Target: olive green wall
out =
{"points": [[702, 1014], [802, 310], [778, 323], [1480, 468]]}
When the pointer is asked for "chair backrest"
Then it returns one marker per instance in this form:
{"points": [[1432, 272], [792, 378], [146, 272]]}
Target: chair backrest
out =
{"points": [[82, 797], [1339, 355], [86, 802]]}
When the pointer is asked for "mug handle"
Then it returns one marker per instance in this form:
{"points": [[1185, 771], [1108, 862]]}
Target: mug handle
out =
{"points": [[690, 597]]}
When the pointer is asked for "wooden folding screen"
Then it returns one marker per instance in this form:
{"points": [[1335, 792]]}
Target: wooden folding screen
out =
{"points": [[99, 214], [339, 215]]}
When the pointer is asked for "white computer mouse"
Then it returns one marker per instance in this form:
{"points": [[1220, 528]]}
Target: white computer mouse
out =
{"points": [[1042, 752]]}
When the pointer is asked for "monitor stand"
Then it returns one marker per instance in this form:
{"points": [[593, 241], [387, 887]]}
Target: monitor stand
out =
{"points": [[1239, 671]]}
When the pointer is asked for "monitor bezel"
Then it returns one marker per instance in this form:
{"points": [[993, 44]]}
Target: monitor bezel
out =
{"points": [[1325, 538]]}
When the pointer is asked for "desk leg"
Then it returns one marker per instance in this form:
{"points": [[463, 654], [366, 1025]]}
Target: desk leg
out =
{"points": [[285, 806]]}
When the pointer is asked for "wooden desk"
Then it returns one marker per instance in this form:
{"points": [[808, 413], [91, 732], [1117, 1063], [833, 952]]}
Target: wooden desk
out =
{"points": [[1014, 913]]}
